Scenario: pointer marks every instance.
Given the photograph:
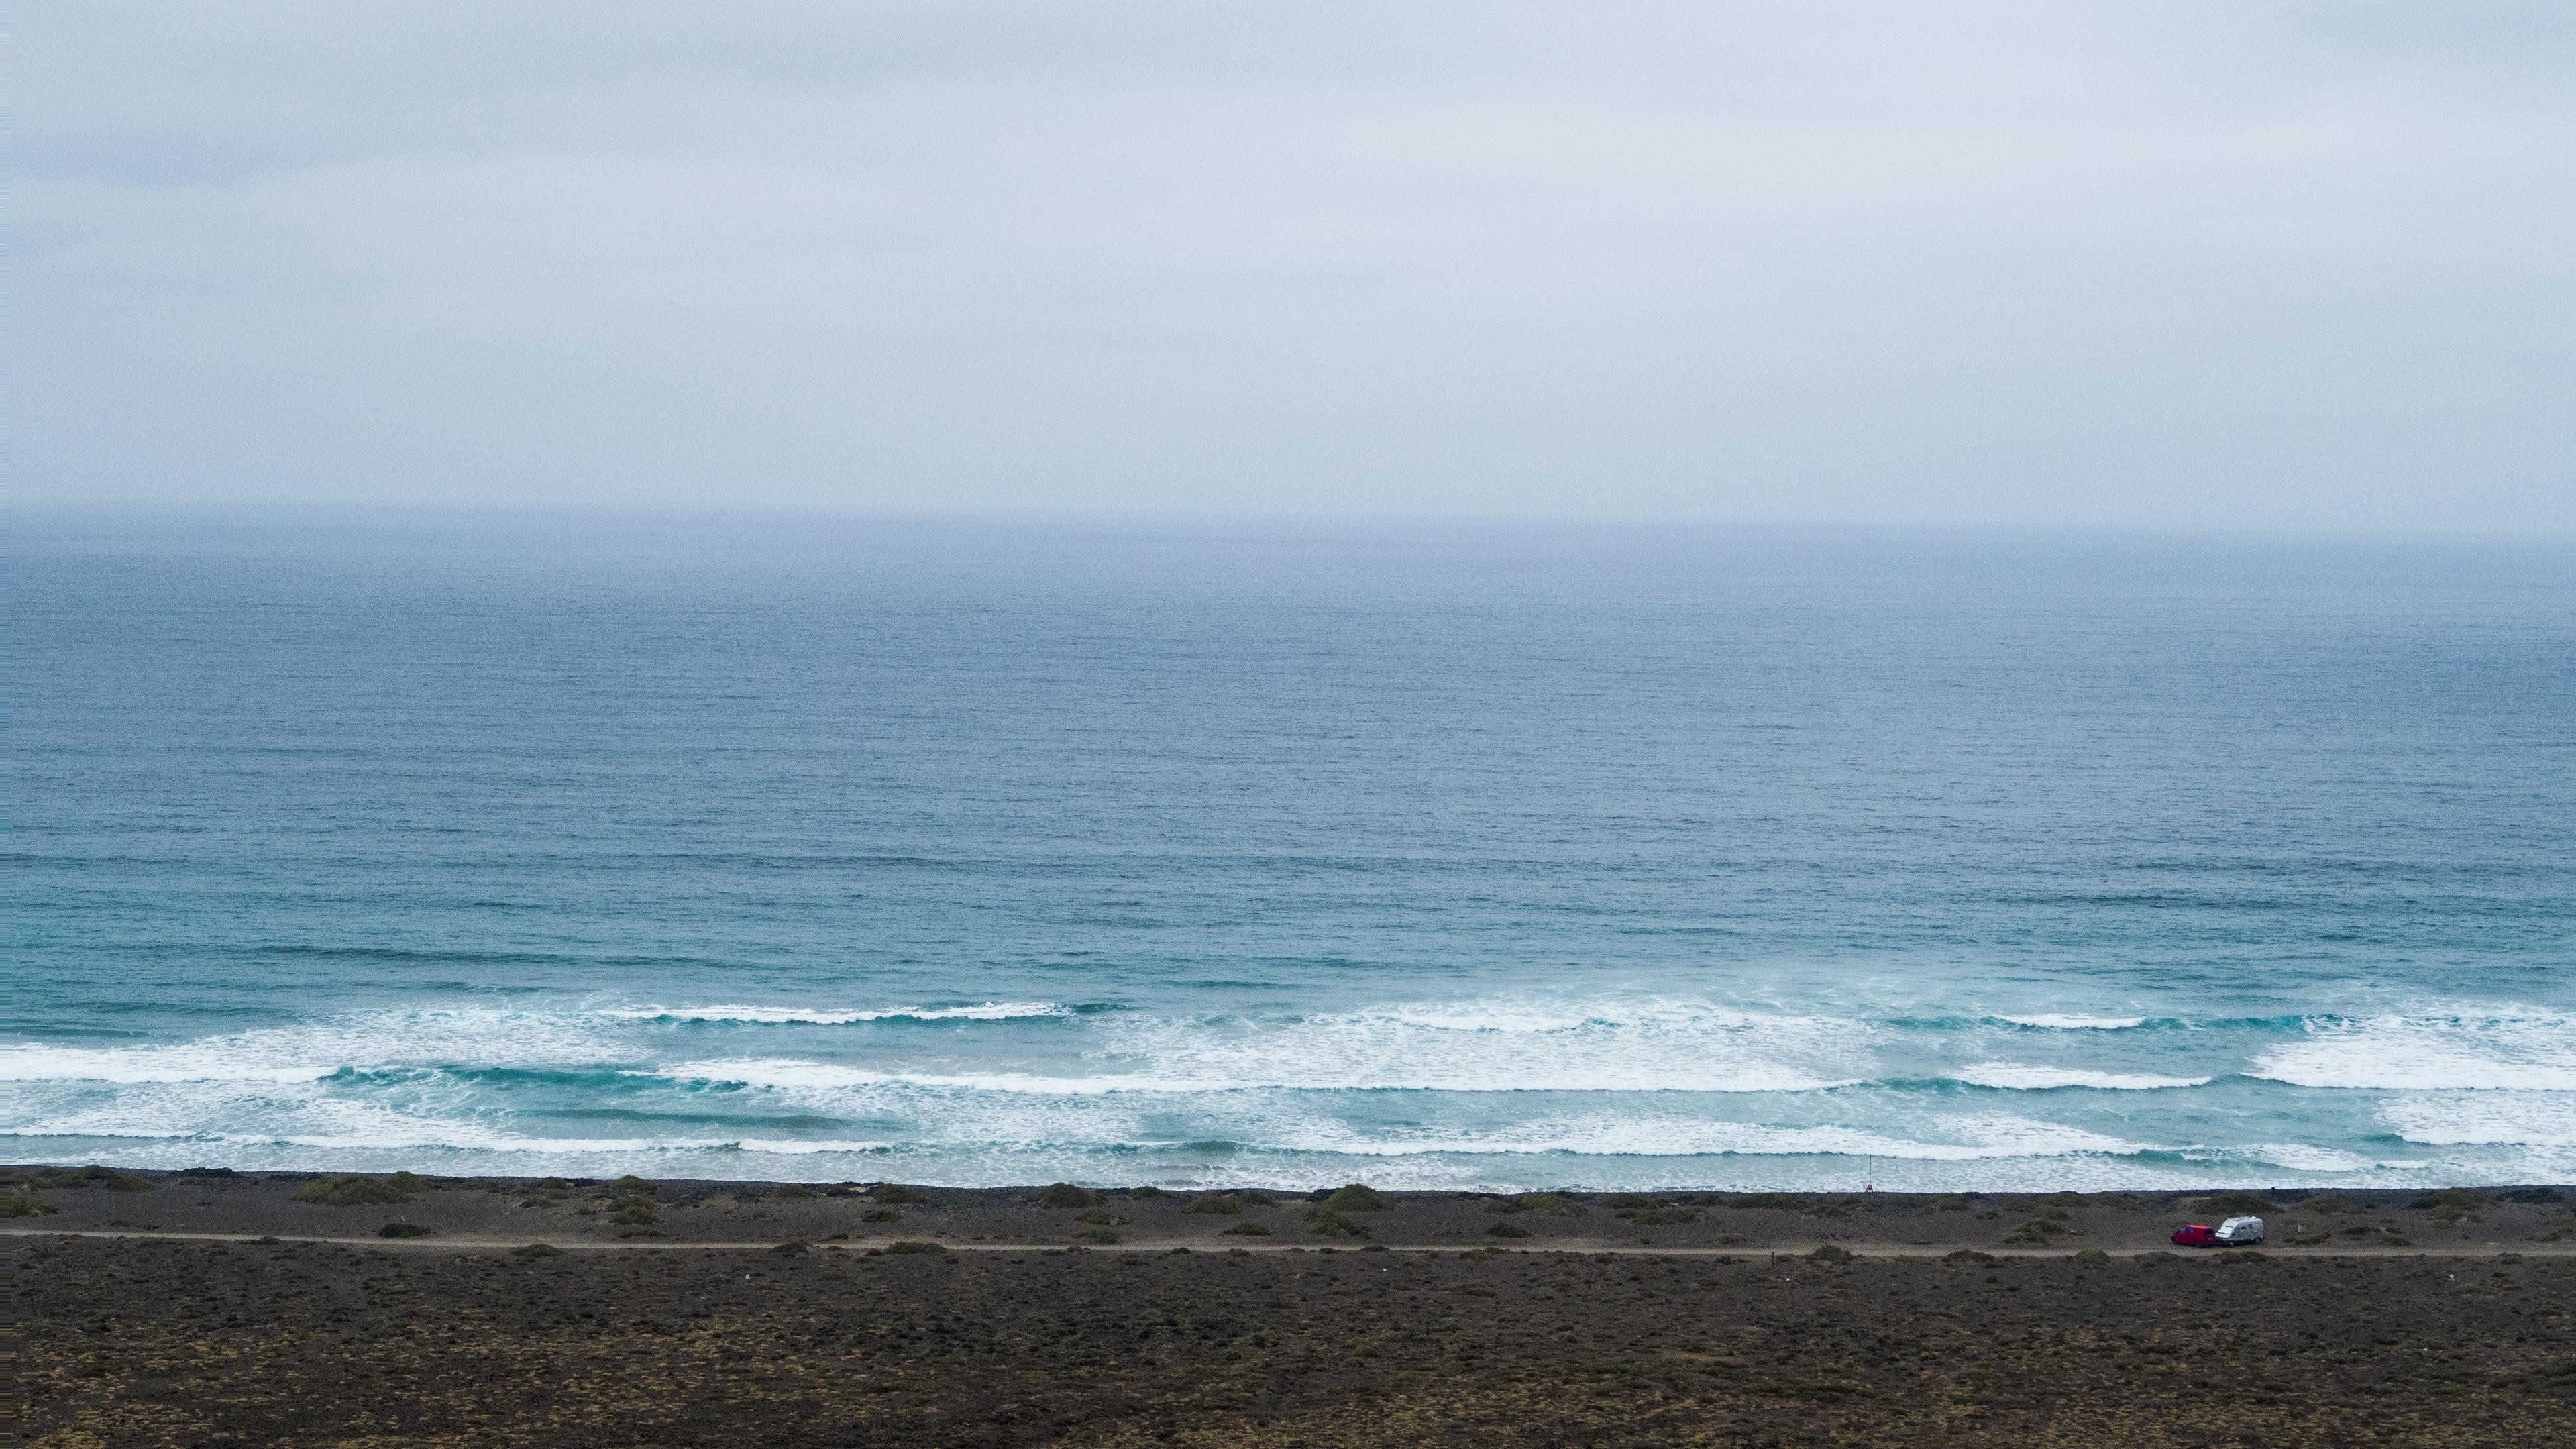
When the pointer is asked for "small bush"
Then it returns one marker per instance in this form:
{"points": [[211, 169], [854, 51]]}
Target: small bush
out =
{"points": [[1506, 1230], [635, 1215], [2063, 1200], [1222, 1204], [895, 1194], [1066, 1195], [93, 1175], [1327, 1223], [1630, 1200], [25, 1205], [1776, 1201], [402, 1230], [881, 1215], [2037, 1230], [358, 1190], [1555, 1205], [1660, 1215], [1248, 1230], [791, 1247], [1968, 1255], [2091, 1258], [2326, 1202], [2454, 1197], [2556, 1230], [537, 1250], [2536, 1196], [1148, 1190], [1098, 1235], [790, 1192], [631, 1186], [912, 1246], [1828, 1253], [2232, 1204], [1354, 1197], [1950, 1202], [1254, 1197]]}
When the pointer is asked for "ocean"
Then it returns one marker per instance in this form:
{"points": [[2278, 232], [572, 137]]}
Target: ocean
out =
{"points": [[1200, 854]]}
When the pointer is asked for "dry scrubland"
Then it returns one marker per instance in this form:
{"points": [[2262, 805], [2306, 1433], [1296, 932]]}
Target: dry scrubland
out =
{"points": [[928, 1317]]}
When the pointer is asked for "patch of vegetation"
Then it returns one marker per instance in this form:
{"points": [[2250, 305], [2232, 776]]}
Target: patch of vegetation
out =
{"points": [[635, 1215], [2063, 1200], [1103, 1219], [2556, 1230], [791, 1247], [1950, 1202], [1098, 1235], [881, 1215], [1248, 1230], [631, 1186], [895, 1194], [2091, 1258], [1220, 1203], [1776, 1201], [2310, 1237], [915, 1246], [1506, 1230], [402, 1230], [1066, 1195], [1354, 1197], [1255, 1197], [1661, 1214], [2240, 1255], [1148, 1190], [2037, 1230], [2450, 1207], [2536, 1196], [1626, 1201], [25, 1205], [2232, 1204], [359, 1190], [1551, 1204], [537, 1250], [1828, 1253], [91, 1176], [1326, 1223], [789, 1192], [2326, 1202], [1968, 1255]]}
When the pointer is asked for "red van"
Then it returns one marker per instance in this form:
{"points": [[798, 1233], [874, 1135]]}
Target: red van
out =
{"points": [[2196, 1235]]}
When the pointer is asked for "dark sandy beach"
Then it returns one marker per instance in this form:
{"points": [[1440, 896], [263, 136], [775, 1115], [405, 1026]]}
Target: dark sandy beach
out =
{"points": [[749, 1314]]}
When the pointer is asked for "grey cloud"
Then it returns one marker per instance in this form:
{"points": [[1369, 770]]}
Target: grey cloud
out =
{"points": [[2129, 263]]}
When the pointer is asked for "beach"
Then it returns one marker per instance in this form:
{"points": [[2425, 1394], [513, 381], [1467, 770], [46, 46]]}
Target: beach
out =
{"points": [[165, 1308]]}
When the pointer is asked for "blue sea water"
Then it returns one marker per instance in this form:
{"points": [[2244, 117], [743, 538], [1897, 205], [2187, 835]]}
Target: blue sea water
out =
{"points": [[1491, 858]]}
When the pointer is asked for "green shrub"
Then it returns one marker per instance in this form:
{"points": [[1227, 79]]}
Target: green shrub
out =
{"points": [[1828, 1253], [790, 1247], [1248, 1230], [1555, 1205], [635, 1214], [881, 1215], [1950, 1202], [1967, 1255], [1661, 1214], [93, 1175], [2556, 1230], [25, 1205], [911, 1246], [1618, 1200], [1506, 1230], [1355, 1197], [537, 1250], [1066, 1195], [631, 1186], [2454, 1197], [1098, 1235], [402, 1230], [1777, 1201], [358, 1190], [1327, 1223], [2037, 1230], [2326, 1202], [1222, 1204], [2091, 1258], [789, 1192], [895, 1194], [1255, 1197]]}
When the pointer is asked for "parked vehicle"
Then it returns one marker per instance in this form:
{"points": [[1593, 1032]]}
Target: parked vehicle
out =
{"points": [[2237, 1232], [2196, 1235]]}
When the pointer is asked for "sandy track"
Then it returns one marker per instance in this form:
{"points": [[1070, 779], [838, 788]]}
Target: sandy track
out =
{"points": [[1869, 1250]]}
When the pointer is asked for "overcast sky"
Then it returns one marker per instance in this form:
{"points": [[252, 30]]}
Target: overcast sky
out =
{"points": [[2168, 263]]}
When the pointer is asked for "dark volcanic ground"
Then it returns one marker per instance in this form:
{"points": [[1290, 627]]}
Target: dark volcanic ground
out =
{"points": [[446, 1340]]}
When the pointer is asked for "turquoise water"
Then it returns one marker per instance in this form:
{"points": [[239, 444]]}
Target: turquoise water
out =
{"points": [[1470, 858]]}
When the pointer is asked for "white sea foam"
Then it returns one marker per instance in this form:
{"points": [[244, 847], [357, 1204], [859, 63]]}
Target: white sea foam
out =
{"points": [[2040, 1079], [2484, 1119], [823, 1016], [2071, 1021], [2498, 1051], [309, 1051]]}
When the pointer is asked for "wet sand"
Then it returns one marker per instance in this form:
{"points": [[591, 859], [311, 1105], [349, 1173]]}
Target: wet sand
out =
{"points": [[952, 1317]]}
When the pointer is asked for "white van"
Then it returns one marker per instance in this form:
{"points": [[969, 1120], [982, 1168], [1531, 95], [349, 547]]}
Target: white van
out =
{"points": [[2237, 1232]]}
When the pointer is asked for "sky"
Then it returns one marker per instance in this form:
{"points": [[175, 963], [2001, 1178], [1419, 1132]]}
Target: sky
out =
{"points": [[2168, 265]]}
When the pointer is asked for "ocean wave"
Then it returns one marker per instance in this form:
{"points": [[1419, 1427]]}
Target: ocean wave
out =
{"points": [[2071, 1021], [822, 1016], [2016, 1077], [2487, 1119], [2500, 1051]]}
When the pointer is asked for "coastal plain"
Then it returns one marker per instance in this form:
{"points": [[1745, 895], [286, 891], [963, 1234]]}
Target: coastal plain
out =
{"points": [[210, 1308]]}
